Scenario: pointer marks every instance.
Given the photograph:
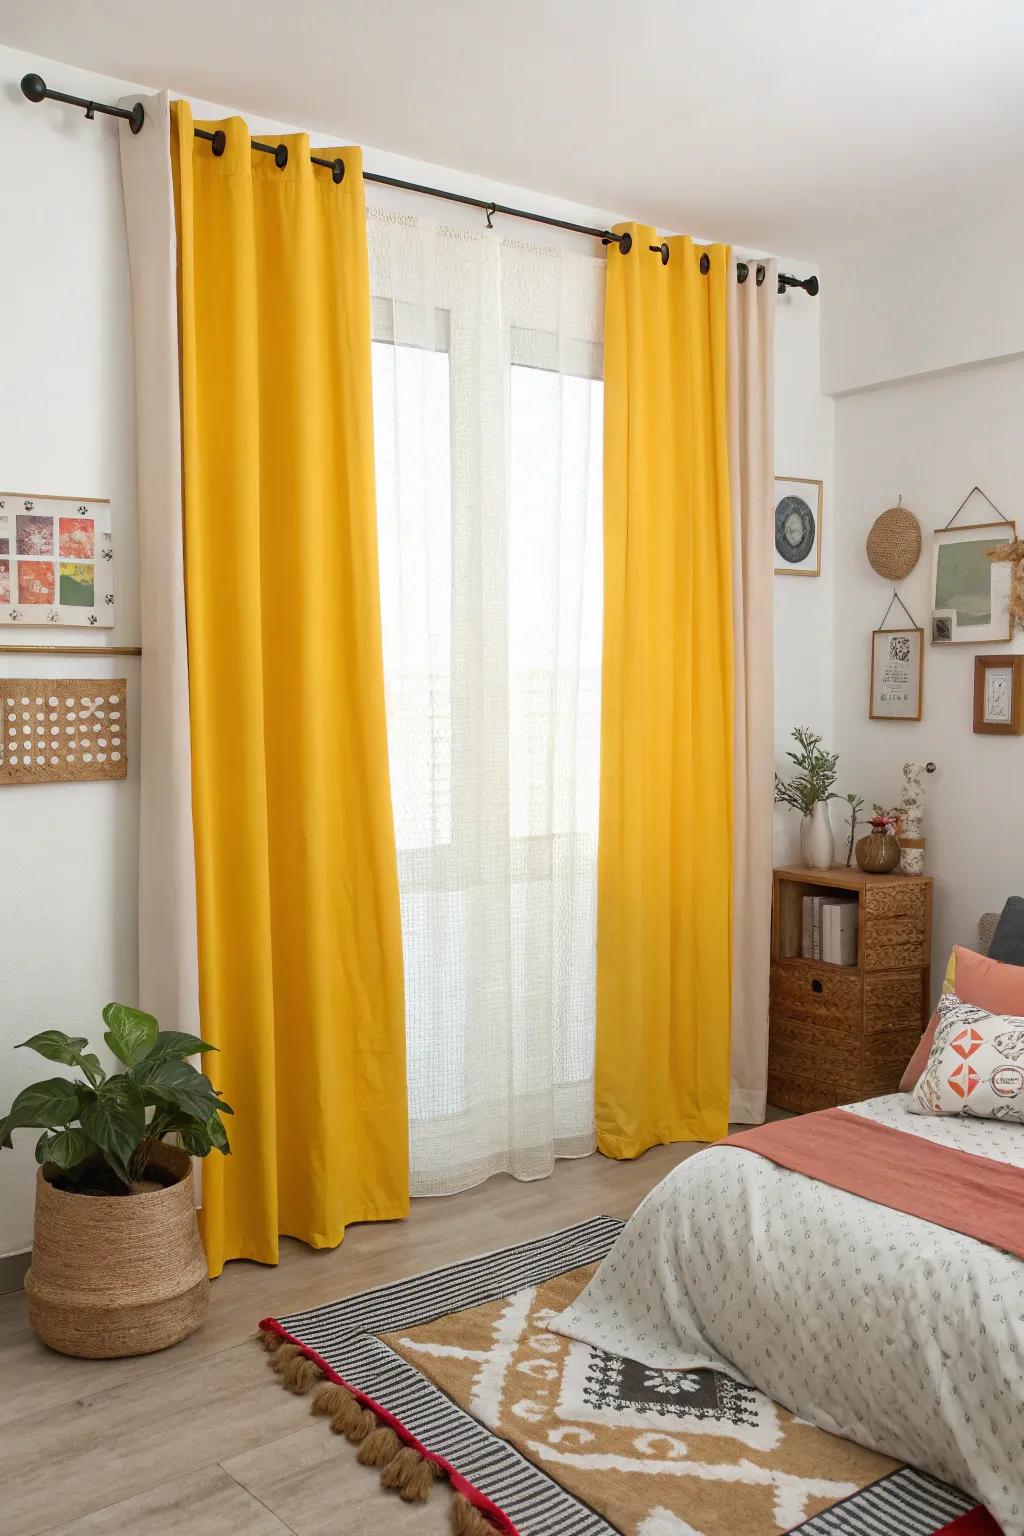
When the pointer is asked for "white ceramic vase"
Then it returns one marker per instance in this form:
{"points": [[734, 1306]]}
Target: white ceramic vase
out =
{"points": [[816, 840]]}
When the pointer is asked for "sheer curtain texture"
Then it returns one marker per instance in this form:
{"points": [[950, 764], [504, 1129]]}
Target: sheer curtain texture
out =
{"points": [[488, 423]]}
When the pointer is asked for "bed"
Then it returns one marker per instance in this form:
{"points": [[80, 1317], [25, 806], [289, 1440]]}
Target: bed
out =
{"points": [[873, 1324]]}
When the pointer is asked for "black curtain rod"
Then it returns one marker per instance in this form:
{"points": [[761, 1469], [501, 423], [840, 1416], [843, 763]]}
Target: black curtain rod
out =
{"points": [[36, 89]]}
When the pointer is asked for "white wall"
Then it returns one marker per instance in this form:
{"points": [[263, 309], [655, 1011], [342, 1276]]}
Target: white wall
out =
{"points": [[922, 344], [930, 441], [67, 891], [899, 309], [803, 605], [67, 896]]}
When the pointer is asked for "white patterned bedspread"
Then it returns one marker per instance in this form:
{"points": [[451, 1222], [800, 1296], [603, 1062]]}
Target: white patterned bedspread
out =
{"points": [[874, 1325]]}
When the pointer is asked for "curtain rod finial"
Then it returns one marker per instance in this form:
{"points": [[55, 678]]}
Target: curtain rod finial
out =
{"points": [[34, 87]]}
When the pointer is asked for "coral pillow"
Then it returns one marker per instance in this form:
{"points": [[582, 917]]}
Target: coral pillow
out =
{"points": [[976, 1066], [986, 983]]}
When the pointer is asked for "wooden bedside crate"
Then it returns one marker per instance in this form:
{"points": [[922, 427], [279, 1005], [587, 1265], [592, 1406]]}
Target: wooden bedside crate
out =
{"points": [[846, 1032]]}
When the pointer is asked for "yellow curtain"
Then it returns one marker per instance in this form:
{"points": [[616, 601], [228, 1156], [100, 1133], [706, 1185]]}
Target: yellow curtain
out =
{"points": [[664, 853], [300, 948]]}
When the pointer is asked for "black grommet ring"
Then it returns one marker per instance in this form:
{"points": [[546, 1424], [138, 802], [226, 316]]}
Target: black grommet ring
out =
{"points": [[338, 171], [662, 251], [760, 274], [742, 271], [137, 118], [625, 244], [220, 142], [705, 264], [281, 156]]}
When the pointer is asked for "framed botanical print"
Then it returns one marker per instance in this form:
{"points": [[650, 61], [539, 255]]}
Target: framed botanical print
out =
{"points": [[897, 674], [999, 695], [797, 526], [971, 604]]}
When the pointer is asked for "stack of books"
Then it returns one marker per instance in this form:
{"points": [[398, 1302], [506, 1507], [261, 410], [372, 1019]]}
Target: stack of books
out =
{"points": [[830, 929]]}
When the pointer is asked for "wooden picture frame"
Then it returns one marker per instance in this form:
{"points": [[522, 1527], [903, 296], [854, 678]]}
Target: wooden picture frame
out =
{"points": [[999, 695], [992, 577], [797, 511], [897, 674]]}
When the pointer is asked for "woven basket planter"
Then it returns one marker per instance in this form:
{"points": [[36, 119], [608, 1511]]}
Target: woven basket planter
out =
{"points": [[117, 1274]]}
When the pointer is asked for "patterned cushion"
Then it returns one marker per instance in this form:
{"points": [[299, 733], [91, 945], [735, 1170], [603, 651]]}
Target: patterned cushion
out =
{"points": [[976, 1066]]}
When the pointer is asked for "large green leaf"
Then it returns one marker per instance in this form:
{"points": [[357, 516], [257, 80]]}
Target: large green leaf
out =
{"points": [[172, 1045], [66, 1149], [196, 1140], [55, 1045], [53, 1102], [179, 1085], [218, 1135], [115, 1118], [130, 1034]]}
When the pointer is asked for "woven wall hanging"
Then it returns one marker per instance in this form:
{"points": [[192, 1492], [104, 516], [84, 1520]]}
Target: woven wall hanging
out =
{"points": [[60, 729], [894, 543]]}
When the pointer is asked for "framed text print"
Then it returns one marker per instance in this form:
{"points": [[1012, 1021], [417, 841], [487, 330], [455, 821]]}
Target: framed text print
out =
{"points": [[797, 526], [56, 562], [971, 604], [897, 674], [999, 695]]}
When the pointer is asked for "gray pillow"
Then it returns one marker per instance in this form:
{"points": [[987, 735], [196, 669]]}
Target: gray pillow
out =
{"points": [[1008, 940]]}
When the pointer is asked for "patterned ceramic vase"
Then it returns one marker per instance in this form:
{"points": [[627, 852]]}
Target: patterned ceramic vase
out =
{"points": [[878, 853]]}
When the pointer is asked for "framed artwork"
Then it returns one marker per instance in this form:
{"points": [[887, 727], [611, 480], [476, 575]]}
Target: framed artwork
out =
{"points": [[58, 730], [971, 602], [897, 674], [797, 526], [999, 695], [56, 562]]}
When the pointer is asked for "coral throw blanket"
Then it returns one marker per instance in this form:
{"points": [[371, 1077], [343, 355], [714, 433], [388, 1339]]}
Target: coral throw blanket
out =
{"points": [[973, 1195]]}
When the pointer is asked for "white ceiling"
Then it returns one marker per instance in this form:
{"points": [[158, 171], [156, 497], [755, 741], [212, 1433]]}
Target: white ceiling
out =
{"points": [[792, 127]]}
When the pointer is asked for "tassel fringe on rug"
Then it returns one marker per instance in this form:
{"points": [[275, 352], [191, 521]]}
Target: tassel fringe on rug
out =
{"points": [[405, 1466]]}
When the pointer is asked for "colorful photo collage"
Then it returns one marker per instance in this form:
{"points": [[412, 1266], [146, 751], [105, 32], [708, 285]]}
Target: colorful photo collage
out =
{"points": [[56, 562]]}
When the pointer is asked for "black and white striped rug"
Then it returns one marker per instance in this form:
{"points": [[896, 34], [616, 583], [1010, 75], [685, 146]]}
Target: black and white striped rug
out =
{"points": [[523, 1499]]}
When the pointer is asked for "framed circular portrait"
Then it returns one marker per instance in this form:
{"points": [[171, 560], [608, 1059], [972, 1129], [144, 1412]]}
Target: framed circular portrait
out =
{"points": [[797, 526]]}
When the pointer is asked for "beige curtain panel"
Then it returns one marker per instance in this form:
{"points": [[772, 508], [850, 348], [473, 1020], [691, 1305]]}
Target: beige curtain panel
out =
{"points": [[751, 328], [168, 963]]}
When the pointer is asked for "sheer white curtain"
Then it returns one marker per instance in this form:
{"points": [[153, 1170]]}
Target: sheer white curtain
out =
{"points": [[488, 424]]}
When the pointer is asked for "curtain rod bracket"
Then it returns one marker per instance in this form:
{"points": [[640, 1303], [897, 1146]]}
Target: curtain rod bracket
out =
{"points": [[34, 87], [808, 284]]}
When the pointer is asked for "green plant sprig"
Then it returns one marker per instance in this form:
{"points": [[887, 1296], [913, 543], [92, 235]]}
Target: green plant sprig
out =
{"points": [[118, 1118], [816, 776]]}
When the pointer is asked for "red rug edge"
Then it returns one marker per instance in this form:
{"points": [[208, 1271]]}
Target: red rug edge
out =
{"points": [[459, 1483], [976, 1522]]}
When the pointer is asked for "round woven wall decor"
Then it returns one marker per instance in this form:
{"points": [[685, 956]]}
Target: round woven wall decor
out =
{"points": [[894, 543]]}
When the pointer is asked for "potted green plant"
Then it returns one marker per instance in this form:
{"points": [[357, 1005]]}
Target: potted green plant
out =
{"points": [[809, 791], [117, 1263]]}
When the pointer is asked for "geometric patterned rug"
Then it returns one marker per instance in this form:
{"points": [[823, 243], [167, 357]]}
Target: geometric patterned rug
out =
{"points": [[453, 1374]]}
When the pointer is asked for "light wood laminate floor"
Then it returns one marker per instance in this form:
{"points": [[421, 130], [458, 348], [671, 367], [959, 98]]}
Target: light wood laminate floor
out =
{"points": [[201, 1440]]}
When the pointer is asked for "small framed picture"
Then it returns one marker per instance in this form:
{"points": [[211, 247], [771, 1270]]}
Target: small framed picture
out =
{"points": [[797, 526], [897, 674], [999, 695], [971, 592]]}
